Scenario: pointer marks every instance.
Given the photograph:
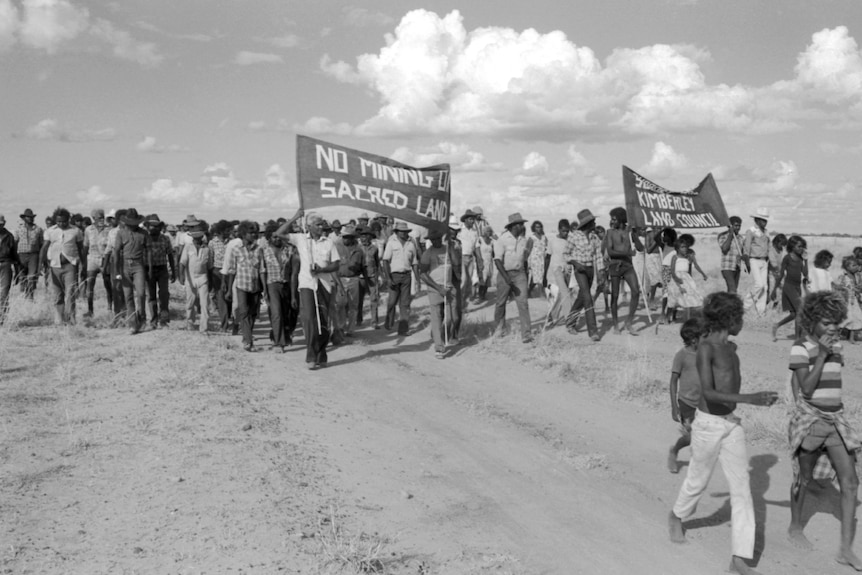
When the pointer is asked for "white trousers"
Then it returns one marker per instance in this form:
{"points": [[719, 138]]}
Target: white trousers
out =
{"points": [[715, 438], [756, 296]]}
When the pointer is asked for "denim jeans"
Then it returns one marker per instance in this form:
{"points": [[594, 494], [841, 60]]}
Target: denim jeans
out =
{"points": [[584, 301], [64, 286], [135, 293], [519, 279]]}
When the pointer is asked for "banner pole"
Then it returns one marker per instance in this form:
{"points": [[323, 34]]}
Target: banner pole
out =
{"points": [[446, 297], [643, 288]]}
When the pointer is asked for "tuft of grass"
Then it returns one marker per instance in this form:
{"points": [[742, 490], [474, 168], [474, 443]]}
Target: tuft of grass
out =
{"points": [[354, 553]]}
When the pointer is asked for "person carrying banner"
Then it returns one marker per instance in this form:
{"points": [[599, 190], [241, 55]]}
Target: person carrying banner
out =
{"points": [[400, 261], [437, 266], [581, 253], [318, 258], [755, 254], [510, 254], [731, 254]]}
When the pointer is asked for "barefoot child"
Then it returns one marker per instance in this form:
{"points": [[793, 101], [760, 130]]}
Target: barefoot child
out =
{"points": [[683, 290], [849, 289], [717, 432], [793, 269], [822, 442], [684, 388]]}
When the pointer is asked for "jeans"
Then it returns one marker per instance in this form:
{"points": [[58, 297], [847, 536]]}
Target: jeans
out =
{"points": [[315, 324], [519, 280], [158, 279], [584, 301], [399, 295], [247, 308], [715, 438], [757, 294], [135, 292], [30, 270], [64, 286], [280, 312]]}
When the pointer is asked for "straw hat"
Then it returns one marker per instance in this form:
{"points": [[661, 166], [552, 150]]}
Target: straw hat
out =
{"points": [[761, 214], [515, 219]]}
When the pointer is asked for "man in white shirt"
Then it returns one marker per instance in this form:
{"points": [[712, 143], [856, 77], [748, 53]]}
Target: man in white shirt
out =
{"points": [[471, 256], [400, 261]]}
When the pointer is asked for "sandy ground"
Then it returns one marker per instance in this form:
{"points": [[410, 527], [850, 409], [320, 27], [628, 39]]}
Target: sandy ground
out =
{"points": [[172, 452]]}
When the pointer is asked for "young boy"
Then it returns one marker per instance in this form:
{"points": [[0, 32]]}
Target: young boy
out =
{"points": [[821, 440], [684, 388], [717, 431]]}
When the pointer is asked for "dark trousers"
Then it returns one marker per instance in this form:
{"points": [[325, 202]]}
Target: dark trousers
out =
{"points": [[223, 306], [247, 308], [399, 295], [92, 275], [584, 302], [30, 270], [623, 270], [5, 286], [731, 278], [135, 292], [370, 289], [280, 313], [504, 290], [316, 332], [159, 296]]}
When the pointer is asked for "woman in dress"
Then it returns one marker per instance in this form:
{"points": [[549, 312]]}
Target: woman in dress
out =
{"points": [[539, 256], [794, 268]]}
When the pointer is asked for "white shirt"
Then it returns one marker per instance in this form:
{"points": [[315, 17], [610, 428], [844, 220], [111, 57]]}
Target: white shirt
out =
{"points": [[469, 240], [322, 252]]}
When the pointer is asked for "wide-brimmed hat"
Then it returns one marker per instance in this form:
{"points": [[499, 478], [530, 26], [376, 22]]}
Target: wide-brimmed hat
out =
{"points": [[153, 220], [469, 214], [132, 218], [585, 217], [111, 214], [363, 216], [479, 211], [348, 231], [190, 217], [761, 214], [454, 223], [401, 227], [515, 219], [28, 213]]}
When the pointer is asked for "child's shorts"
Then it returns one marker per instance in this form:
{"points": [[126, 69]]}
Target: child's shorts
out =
{"points": [[686, 417], [821, 434]]}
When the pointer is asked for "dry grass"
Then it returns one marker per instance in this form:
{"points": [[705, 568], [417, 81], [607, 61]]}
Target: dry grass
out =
{"points": [[342, 552]]}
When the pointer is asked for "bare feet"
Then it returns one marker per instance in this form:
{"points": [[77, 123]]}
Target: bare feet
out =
{"points": [[674, 528], [799, 540], [849, 558], [617, 330], [671, 462], [775, 332], [738, 565]]}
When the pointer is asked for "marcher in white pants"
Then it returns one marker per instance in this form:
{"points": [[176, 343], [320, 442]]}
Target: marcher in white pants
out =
{"points": [[755, 253]]}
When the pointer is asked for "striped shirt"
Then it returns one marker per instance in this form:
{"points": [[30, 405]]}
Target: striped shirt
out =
{"points": [[157, 250], [582, 247], [730, 260], [274, 260], [827, 394], [218, 247], [248, 263]]}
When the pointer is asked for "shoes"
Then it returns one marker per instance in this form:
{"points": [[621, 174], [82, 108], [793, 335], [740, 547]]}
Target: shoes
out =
{"points": [[439, 354], [595, 337], [133, 331], [248, 347], [313, 366]]}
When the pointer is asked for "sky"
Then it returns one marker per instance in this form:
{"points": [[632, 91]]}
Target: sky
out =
{"points": [[193, 107]]}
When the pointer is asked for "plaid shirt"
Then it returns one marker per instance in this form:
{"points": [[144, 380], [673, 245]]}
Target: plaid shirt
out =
{"points": [[157, 250], [29, 239], [248, 262], [274, 260], [730, 260], [582, 248], [804, 416], [95, 240]]}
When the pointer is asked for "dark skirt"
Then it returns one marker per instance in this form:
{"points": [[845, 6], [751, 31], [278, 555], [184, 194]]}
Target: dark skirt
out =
{"points": [[791, 297]]}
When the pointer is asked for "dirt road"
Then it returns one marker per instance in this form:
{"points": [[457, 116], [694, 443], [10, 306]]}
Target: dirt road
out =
{"points": [[175, 453]]}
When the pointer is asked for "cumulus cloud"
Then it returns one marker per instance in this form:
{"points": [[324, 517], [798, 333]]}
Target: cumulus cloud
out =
{"points": [[434, 76], [51, 25], [244, 58], [665, 162], [92, 197], [50, 129], [459, 156], [219, 189], [149, 145]]}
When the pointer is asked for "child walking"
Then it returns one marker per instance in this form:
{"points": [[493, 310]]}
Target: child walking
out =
{"points": [[717, 433], [849, 285], [822, 442], [684, 388], [779, 242], [683, 292], [793, 269]]}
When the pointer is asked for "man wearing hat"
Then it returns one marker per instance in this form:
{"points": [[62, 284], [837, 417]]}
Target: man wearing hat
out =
{"points": [[129, 267], [197, 263], [8, 261], [160, 255], [400, 262], [95, 241], [369, 283], [62, 250], [350, 270], [362, 220], [29, 237], [318, 258], [510, 256], [471, 257], [755, 254], [582, 246]]}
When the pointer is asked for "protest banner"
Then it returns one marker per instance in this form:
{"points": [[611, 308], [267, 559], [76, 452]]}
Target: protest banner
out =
{"points": [[332, 175], [650, 205]]}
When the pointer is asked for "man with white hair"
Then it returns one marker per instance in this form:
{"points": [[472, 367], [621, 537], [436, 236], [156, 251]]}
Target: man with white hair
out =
{"points": [[95, 241], [755, 254]]}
